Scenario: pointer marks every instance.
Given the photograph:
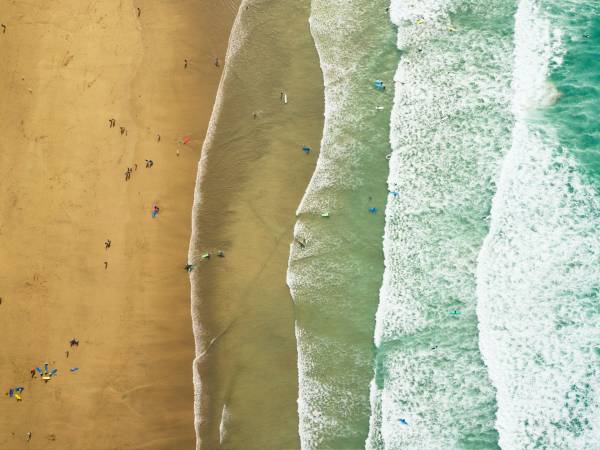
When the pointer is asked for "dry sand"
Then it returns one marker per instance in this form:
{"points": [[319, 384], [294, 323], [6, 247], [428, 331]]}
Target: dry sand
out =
{"points": [[67, 68]]}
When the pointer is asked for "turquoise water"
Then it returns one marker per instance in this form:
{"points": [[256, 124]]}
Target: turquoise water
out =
{"points": [[538, 269], [450, 129]]}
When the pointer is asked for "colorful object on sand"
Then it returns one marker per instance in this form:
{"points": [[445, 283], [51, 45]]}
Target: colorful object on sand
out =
{"points": [[455, 313], [372, 210], [38, 370], [379, 85], [186, 139], [206, 256], [306, 149], [403, 422], [54, 371], [74, 369], [325, 214]]}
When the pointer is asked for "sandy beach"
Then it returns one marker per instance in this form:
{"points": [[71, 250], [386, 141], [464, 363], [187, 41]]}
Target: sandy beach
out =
{"points": [[68, 67], [254, 172]]}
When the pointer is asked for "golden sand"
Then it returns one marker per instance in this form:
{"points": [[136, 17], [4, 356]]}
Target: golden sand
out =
{"points": [[67, 68]]}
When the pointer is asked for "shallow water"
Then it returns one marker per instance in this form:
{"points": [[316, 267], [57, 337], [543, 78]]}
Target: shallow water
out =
{"points": [[252, 175], [335, 279]]}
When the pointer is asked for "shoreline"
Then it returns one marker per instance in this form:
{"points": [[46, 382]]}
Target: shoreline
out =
{"points": [[69, 68], [251, 178]]}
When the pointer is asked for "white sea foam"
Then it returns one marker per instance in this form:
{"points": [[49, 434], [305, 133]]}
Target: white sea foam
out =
{"points": [[538, 269], [450, 127], [236, 38]]}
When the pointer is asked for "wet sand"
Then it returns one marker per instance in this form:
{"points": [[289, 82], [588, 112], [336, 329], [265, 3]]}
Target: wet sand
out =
{"points": [[68, 67], [253, 175]]}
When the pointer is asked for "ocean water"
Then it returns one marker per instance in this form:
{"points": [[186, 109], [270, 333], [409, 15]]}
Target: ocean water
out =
{"points": [[461, 312], [538, 271], [486, 324], [450, 128]]}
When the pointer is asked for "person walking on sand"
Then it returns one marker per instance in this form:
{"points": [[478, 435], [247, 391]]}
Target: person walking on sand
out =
{"points": [[74, 342], [67, 353], [139, 12], [185, 63], [3, 28], [107, 244], [158, 138], [28, 436], [105, 265], [123, 130], [155, 210], [217, 61], [32, 372]]}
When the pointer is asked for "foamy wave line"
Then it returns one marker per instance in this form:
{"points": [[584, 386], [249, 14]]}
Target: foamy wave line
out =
{"points": [[237, 37], [537, 271]]}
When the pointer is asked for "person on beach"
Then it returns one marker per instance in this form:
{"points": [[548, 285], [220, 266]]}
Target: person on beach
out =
{"points": [[67, 353], [32, 372], [107, 244], [158, 138], [123, 131], [217, 61], [135, 166], [189, 267], [3, 28], [74, 342], [185, 63], [28, 436], [155, 210], [150, 163], [105, 265], [139, 11]]}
